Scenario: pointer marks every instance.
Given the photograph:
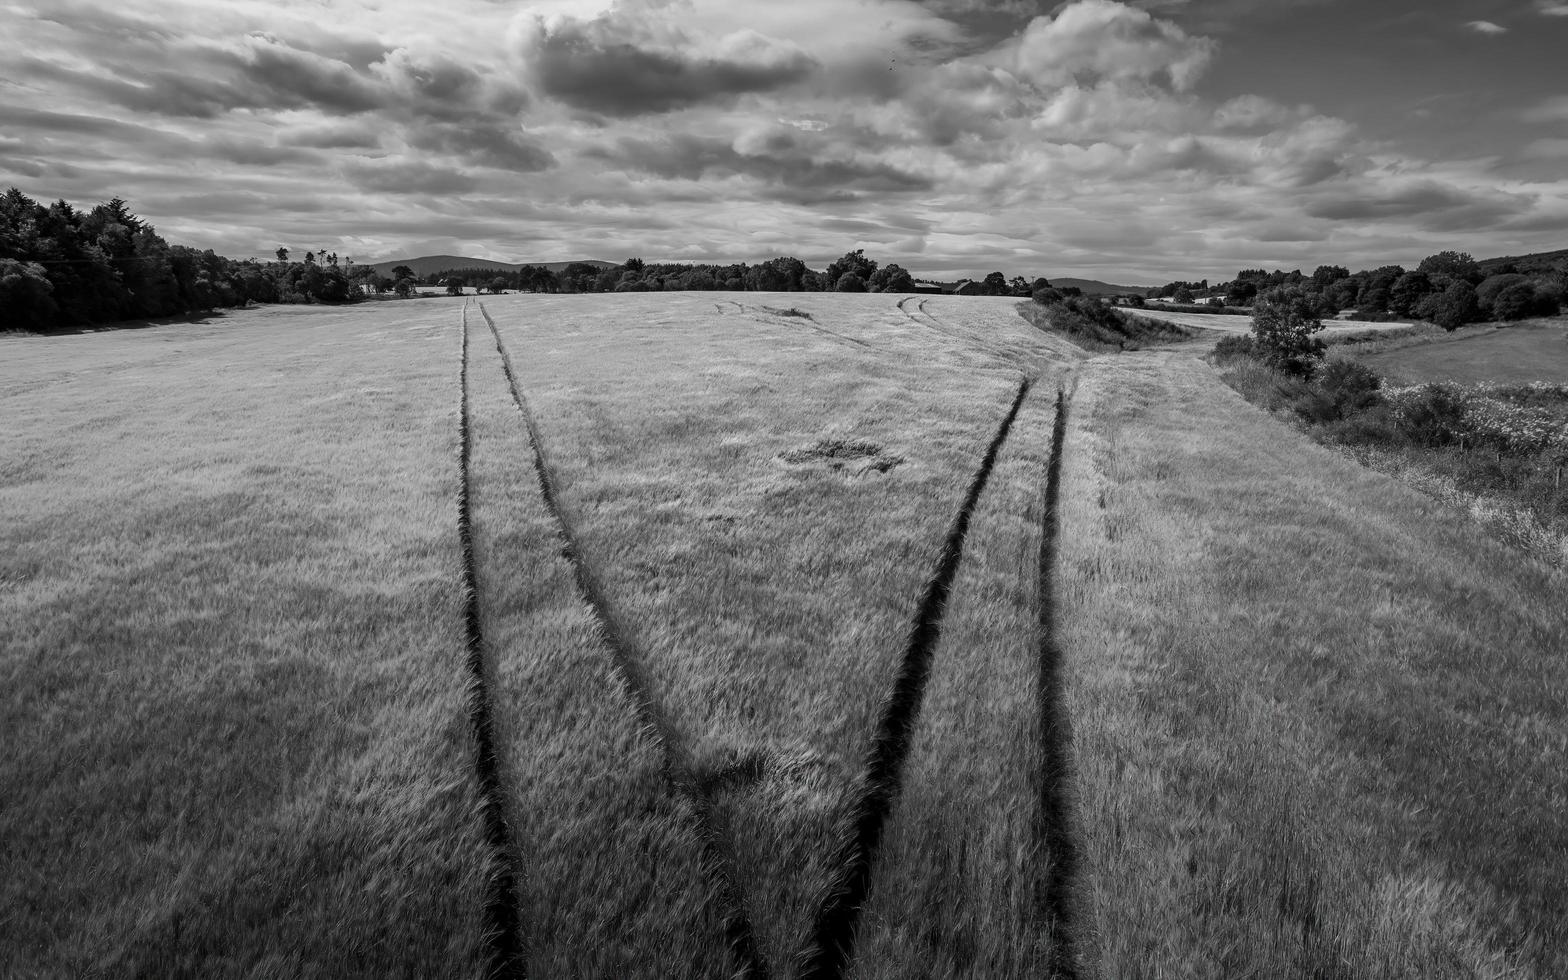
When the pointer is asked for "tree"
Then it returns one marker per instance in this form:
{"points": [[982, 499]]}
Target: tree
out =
{"points": [[1285, 320], [1514, 302], [1182, 295], [403, 272], [1325, 276], [995, 284], [454, 286], [283, 254], [850, 283], [498, 285], [404, 287], [25, 295], [853, 263], [1408, 291], [1454, 265], [891, 278], [1455, 305]]}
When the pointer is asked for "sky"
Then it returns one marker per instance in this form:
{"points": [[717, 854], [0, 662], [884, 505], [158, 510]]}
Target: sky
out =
{"points": [[1134, 142]]}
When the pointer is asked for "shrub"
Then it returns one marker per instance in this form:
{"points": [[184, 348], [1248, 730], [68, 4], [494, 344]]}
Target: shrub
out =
{"points": [[1350, 387], [1429, 415], [850, 283], [1233, 348]]}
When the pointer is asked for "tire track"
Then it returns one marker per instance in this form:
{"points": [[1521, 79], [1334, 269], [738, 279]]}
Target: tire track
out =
{"points": [[502, 911], [718, 856], [969, 341], [1054, 831], [831, 944], [780, 321]]}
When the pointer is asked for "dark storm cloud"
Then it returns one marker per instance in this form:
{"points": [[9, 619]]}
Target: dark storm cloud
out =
{"points": [[606, 65], [685, 157], [483, 145], [1437, 206]]}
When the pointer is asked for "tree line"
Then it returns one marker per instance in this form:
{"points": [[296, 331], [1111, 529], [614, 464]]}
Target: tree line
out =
{"points": [[1449, 289], [61, 266], [853, 273]]}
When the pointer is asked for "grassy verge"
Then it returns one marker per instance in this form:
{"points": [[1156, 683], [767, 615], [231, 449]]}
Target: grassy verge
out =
{"points": [[1318, 721], [769, 587], [957, 890], [1499, 451], [1098, 327], [234, 692]]}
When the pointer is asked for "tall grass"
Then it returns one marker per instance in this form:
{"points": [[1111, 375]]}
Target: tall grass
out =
{"points": [[1316, 717], [959, 880], [231, 654], [769, 598], [614, 879]]}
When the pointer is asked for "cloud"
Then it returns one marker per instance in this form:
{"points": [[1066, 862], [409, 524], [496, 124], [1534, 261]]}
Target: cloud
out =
{"points": [[629, 61], [779, 164], [392, 176], [1091, 40], [1551, 8], [1486, 27], [1553, 109]]}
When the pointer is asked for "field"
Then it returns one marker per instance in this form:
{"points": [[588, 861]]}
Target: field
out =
{"points": [[1517, 354], [1225, 323], [766, 635]]}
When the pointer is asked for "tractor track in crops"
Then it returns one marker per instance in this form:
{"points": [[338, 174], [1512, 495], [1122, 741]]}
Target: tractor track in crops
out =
{"points": [[1053, 826], [970, 342], [502, 912], [761, 315], [830, 946], [718, 854]]}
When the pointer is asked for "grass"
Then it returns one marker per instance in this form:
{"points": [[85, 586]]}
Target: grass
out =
{"points": [[769, 600], [1512, 355], [963, 860], [234, 694], [597, 830], [1316, 717], [1094, 327]]}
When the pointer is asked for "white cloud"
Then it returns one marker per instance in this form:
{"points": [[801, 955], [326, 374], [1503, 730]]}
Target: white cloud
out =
{"points": [[1093, 40], [1486, 27], [1551, 8], [740, 128]]}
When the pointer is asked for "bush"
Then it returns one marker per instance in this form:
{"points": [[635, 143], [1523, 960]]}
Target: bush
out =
{"points": [[1430, 415], [1046, 295], [1350, 387], [850, 283], [1233, 348]]}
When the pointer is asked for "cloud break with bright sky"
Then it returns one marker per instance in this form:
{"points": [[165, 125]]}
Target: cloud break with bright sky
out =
{"points": [[1136, 142]]}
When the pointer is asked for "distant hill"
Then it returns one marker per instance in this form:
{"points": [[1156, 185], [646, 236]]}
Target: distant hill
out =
{"points": [[1094, 287], [429, 265], [1534, 262]]}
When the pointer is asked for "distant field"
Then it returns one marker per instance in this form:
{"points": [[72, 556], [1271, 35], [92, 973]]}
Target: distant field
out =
{"points": [[1537, 351], [810, 635], [1243, 324]]}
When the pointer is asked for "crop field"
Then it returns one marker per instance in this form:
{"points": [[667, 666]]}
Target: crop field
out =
{"points": [[1517, 354], [744, 635], [1225, 323]]}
